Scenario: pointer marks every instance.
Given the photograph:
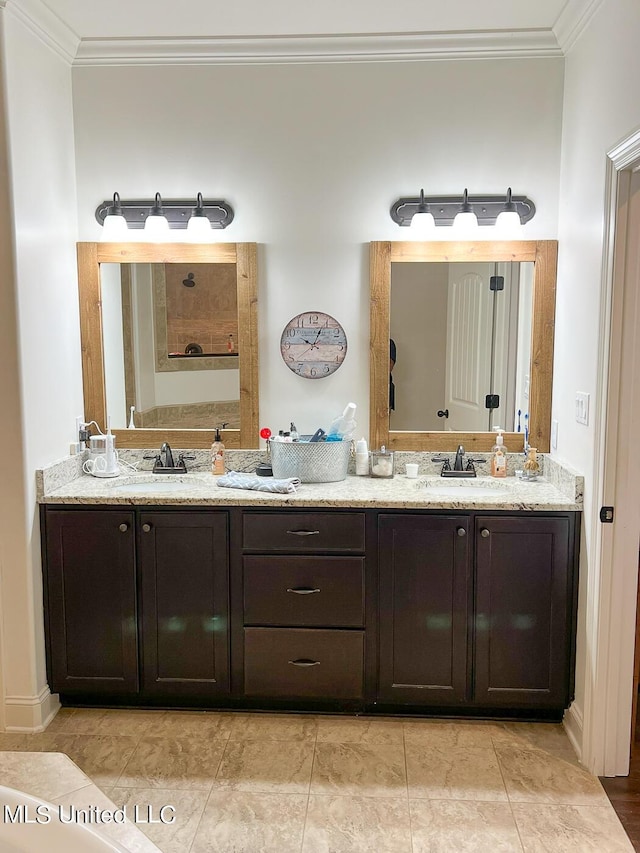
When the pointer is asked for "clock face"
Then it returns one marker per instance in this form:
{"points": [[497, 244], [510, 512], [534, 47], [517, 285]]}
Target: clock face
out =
{"points": [[313, 345]]}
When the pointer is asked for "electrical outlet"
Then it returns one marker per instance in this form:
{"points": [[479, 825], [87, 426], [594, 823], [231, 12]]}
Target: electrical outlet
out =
{"points": [[582, 408], [554, 435]]}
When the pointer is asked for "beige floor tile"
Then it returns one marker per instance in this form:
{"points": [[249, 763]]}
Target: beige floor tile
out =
{"points": [[462, 826], [549, 737], [446, 735], [98, 721], [359, 769], [534, 776], [356, 825], [179, 724], [127, 834], [9, 742], [61, 721], [286, 727], [455, 774], [243, 822], [570, 829], [47, 776], [268, 767], [359, 730], [102, 758], [177, 813], [181, 763]]}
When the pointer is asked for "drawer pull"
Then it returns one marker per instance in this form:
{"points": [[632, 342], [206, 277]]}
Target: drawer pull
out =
{"points": [[123, 527], [304, 532], [485, 533], [303, 591], [146, 528], [461, 531], [304, 662]]}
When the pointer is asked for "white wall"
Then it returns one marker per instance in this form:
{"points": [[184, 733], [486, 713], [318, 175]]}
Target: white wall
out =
{"points": [[312, 157], [601, 107], [42, 185]]}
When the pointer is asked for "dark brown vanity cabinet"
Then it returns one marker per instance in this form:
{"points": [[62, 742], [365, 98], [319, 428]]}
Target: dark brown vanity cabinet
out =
{"points": [[91, 601], [423, 605], [183, 571], [524, 608], [136, 603], [304, 605], [477, 611]]}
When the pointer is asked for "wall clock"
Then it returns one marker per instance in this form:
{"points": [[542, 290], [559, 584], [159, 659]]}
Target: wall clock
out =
{"points": [[313, 345]]}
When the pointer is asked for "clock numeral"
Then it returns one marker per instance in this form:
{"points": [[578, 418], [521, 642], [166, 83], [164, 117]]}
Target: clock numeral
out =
{"points": [[313, 318], [326, 368]]}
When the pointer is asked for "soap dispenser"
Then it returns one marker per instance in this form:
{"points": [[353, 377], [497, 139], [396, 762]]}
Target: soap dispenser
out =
{"points": [[499, 456], [217, 453]]}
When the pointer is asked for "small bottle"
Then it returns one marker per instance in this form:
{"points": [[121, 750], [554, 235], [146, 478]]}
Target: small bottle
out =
{"points": [[230, 346], [217, 454], [287, 437], [362, 457], [294, 432], [499, 456]]}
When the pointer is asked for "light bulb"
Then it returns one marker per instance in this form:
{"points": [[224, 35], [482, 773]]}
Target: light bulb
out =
{"points": [[199, 229], [422, 222], [114, 229], [156, 225]]}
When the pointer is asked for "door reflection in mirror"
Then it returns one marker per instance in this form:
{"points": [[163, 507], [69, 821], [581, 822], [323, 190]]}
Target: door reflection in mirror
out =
{"points": [[465, 333]]}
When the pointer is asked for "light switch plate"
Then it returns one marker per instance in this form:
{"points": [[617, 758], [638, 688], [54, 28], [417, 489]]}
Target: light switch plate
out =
{"points": [[582, 407]]}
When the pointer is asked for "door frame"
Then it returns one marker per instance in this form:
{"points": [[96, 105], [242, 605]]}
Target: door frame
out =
{"points": [[612, 582]]}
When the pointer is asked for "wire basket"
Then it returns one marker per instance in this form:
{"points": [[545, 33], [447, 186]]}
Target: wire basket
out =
{"points": [[316, 462]]}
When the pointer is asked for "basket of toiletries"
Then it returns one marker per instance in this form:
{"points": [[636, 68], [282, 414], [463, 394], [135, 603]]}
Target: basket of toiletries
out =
{"points": [[310, 461]]}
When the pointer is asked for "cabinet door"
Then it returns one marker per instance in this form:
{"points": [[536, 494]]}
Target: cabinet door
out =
{"points": [[90, 601], [424, 570], [183, 567], [523, 611]]}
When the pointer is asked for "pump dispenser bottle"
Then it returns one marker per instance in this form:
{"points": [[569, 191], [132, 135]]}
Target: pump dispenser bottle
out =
{"points": [[217, 453], [499, 456]]}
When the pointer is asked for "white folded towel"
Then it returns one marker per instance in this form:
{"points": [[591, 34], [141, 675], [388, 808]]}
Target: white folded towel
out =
{"points": [[236, 480]]}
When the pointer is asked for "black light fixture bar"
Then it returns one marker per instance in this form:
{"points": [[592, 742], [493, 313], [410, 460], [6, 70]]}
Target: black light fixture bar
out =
{"points": [[178, 211], [445, 207]]}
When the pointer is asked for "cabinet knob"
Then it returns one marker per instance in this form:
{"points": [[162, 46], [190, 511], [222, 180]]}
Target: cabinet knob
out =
{"points": [[485, 533], [123, 527], [461, 531], [302, 590], [304, 662], [146, 528]]}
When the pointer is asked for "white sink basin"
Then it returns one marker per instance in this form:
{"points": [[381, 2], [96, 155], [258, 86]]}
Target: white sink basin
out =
{"points": [[150, 487], [464, 488]]}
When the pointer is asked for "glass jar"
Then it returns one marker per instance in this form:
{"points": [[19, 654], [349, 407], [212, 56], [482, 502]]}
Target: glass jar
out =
{"points": [[382, 463]]}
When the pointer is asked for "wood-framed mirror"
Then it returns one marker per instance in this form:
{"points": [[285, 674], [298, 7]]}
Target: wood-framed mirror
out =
{"points": [[535, 393], [125, 295]]}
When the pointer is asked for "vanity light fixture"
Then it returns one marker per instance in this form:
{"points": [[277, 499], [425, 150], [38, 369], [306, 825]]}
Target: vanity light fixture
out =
{"points": [[115, 225], [509, 218], [465, 218], [423, 220], [198, 226], [156, 225], [445, 209], [177, 213]]}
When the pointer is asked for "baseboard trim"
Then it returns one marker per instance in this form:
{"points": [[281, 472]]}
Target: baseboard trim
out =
{"points": [[30, 714], [573, 726]]}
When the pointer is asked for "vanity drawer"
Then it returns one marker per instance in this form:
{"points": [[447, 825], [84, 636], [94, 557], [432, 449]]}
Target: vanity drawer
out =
{"points": [[304, 591], [306, 662], [303, 531]]}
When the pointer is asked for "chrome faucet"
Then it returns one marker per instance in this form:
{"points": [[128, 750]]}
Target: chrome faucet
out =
{"points": [[165, 464], [166, 456], [457, 465]]}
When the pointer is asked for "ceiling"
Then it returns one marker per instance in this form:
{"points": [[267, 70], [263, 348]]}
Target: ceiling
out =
{"points": [[90, 19]]}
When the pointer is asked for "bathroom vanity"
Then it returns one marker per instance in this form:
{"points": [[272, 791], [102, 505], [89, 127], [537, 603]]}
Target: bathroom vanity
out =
{"points": [[364, 595]]}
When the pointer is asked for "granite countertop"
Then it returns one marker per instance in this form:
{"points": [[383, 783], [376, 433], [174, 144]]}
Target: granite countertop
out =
{"points": [[201, 489]]}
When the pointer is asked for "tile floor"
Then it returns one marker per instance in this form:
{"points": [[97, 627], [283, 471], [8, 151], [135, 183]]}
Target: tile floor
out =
{"points": [[255, 783]]}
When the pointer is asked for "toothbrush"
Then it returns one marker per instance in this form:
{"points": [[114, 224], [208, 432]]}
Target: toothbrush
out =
{"points": [[526, 432], [519, 413]]}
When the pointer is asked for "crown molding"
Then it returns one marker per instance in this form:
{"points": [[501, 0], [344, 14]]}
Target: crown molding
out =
{"points": [[573, 20], [391, 47], [46, 25]]}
